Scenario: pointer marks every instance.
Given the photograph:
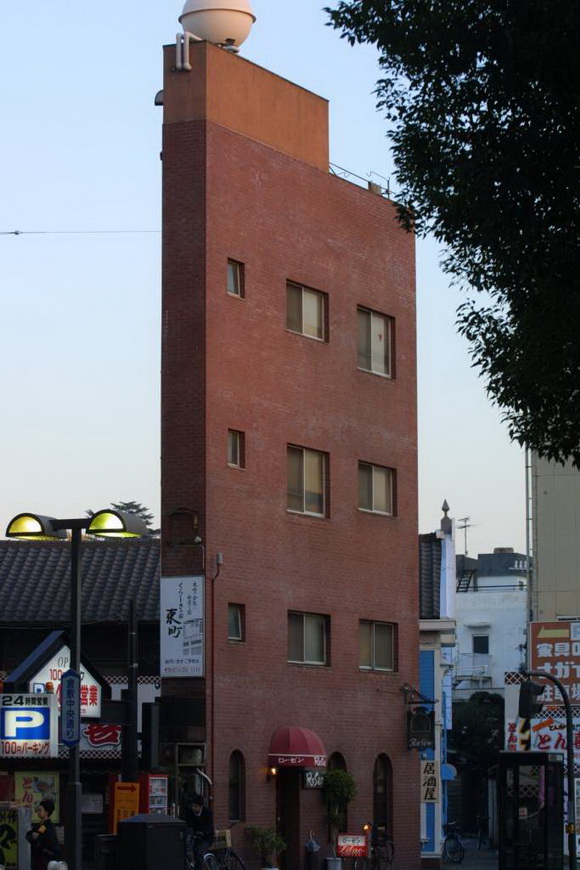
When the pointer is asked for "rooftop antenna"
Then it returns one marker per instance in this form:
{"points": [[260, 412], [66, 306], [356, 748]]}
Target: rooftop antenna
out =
{"points": [[465, 526]]}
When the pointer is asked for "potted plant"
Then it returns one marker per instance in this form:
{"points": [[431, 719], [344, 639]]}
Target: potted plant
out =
{"points": [[339, 789], [267, 842]]}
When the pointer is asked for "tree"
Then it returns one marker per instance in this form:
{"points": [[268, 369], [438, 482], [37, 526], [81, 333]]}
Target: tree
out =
{"points": [[132, 507], [482, 101]]}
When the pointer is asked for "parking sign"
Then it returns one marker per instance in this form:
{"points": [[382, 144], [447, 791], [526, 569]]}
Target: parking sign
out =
{"points": [[28, 726]]}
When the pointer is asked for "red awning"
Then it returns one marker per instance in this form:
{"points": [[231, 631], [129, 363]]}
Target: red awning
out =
{"points": [[292, 746]]}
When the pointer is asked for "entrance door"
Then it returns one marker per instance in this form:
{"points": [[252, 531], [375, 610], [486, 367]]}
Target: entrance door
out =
{"points": [[288, 816]]}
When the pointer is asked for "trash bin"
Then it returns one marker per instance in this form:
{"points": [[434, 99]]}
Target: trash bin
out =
{"points": [[106, 852], [150, 841]]}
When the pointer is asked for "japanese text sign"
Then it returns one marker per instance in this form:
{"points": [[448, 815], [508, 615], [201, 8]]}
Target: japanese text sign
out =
{"points": [[70, 708], [182, 626], [52, 673], [555, 649], [125, 801], [351, 846], [429, 782], [31, 786], [28, 726]]}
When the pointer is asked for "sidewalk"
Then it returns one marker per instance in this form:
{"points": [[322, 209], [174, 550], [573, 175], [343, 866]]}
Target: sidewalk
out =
{"points": [[479, 859]]}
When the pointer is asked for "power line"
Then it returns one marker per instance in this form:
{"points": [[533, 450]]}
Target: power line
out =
{"points": [[70, 232]]}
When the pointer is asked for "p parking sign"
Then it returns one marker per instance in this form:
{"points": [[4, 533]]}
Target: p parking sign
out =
{"points": [[28, 726]]}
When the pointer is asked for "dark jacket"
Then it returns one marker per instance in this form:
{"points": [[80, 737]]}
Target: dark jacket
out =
{"points": [[202, 825], [45, 847]]}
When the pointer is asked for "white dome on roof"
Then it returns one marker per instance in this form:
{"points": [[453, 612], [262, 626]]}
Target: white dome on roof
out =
{"points": [[223, 22]]}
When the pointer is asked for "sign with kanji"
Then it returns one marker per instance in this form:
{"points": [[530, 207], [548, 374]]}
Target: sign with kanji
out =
{"points": [[429, 782], [31, 787], [125, 802], [549, 735], [70, 708], [28, 726], [351, 846], [52, 672], [555, 649], [181, 624]]}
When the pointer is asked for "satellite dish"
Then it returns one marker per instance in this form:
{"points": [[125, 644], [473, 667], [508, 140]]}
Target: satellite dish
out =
{"points": [[223, 22]]}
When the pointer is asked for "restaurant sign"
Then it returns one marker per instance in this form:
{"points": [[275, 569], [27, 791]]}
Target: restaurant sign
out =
{"points": [[555, 649]]}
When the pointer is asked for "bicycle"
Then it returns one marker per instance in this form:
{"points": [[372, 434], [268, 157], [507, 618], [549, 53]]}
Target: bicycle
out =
{"points": [[453, 850], [223, 859], [381, 851]]}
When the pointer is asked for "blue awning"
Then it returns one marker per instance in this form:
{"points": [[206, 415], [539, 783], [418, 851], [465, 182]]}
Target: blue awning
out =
{"points": [[448, 771]]}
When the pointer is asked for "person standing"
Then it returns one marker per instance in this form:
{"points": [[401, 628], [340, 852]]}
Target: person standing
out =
{"points": [[42, 837], [199, 819]]}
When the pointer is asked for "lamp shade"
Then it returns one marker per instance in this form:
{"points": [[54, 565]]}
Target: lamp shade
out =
{"points": [[116, 524], [36, 527]]}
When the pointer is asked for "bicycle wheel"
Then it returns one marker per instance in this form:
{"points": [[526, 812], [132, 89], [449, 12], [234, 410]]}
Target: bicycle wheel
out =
{"points": [[210, 862], [453, 850], [232, 861]]}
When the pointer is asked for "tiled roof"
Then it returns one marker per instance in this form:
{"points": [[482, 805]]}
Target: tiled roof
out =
{"points": [[35, 581]]}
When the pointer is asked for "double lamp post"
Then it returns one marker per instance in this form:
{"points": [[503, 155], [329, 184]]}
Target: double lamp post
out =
{"points": [[104, 523]]}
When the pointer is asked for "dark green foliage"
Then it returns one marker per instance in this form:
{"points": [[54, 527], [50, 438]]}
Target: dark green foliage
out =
{"points": [[484, 115], [478, 730]]}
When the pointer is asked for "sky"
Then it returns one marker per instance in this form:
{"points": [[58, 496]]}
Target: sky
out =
{"points": [[80, 285]]}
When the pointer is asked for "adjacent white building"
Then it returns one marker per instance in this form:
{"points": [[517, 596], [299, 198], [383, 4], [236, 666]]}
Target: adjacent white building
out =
{"points": [[491, 610]]}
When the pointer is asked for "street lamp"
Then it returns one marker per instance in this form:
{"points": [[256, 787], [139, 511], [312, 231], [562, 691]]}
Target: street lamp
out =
{"points": [[105, 523]]}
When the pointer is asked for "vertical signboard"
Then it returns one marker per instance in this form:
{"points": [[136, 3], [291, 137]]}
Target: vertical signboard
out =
{"points": [[125, 802], [182, 626], [429, 782], [555, 649]]}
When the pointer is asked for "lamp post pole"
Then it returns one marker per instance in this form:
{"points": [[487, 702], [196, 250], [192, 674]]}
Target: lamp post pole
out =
{"points": [[74, 789]]}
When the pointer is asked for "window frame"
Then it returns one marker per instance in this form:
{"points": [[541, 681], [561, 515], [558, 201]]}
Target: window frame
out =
{"points": [[240, 448], [392, 477], [320, 295], [324, 489], [390, 332], [373, 666], [325, 619], [480, 637], [239, 283], [241, 613], [237, 786]]}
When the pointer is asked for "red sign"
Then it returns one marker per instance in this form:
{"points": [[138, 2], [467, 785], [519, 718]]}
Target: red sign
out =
{"points": [[555, 649], [351, 846]]}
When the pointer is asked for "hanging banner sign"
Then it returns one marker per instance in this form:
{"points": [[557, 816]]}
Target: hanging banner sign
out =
{"points": [[52, 672], [70, 708], [429, 782], [181, 623], [28, 726]]}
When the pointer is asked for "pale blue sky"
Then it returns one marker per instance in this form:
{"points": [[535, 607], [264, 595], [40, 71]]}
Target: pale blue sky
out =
{"points": [[79, 312]]}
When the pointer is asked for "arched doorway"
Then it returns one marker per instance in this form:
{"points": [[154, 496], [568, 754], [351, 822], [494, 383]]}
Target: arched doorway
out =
{"points": [[383, 793]]}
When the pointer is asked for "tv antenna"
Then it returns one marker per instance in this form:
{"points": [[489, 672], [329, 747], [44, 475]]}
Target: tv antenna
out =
{"points": [[465, 526]]}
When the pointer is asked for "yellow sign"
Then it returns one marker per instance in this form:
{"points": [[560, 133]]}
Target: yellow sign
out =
{"points": [[30, 787], [429, 782], [125, 801]]}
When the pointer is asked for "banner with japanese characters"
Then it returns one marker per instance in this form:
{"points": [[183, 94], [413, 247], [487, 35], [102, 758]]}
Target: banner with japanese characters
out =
{"points": [[429, 782], [181, 621], [52, 673], [33, 786], [555, 649], [28, 726]]}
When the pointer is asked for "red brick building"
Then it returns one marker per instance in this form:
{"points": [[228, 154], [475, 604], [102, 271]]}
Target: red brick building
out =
{"points": [[288, 447]]}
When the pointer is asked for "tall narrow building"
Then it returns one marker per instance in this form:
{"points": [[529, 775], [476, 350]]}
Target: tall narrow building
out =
{"points": [[289, 464]]}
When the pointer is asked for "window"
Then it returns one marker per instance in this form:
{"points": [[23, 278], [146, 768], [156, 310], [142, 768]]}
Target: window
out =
{"points": [[376, 645], [481, 643], [308, 636], [236, 449], [306, 311], [382, 792], [236, 279], [237, 787], [307, 472], [375, 489], [375, 341], [236, 622]]}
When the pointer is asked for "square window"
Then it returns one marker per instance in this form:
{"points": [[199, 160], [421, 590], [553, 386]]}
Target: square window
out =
{"points": [[376, 645], [376, 486], [375, 342], [235, 283], [308, 638], [236, 622], [307, 476], [306, 311], [236, 448], [481, 644]]}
